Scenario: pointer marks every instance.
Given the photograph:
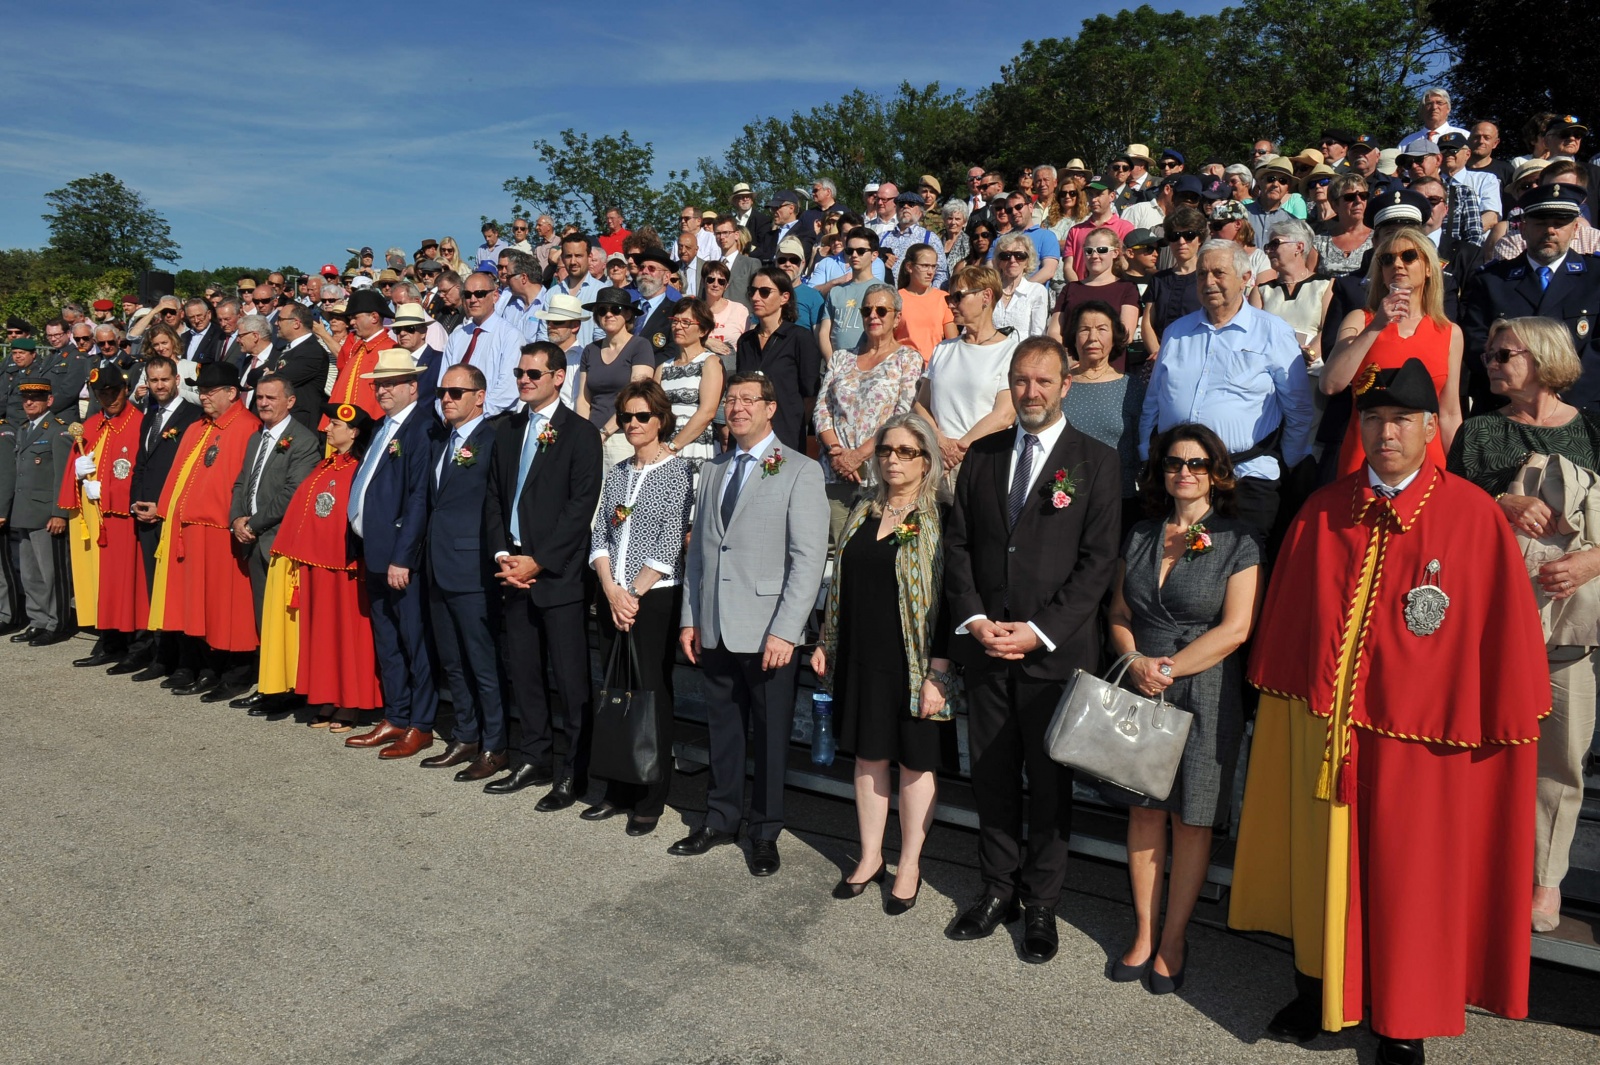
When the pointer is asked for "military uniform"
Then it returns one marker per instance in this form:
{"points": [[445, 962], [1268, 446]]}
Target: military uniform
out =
{"points": [[11, 615], [43, 451], [12, 375], [68, 372]]}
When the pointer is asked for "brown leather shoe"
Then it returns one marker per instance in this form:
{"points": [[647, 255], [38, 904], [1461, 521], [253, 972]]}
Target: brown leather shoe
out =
{"points": [[454, 754], [384, 733], [484, 766], [407, 745]]}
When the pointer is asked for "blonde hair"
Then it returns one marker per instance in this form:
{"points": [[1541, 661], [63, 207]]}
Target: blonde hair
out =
{"points": [[1432, 288], [1007, 241], [928, 441], [985, 277], [1555, 360]]}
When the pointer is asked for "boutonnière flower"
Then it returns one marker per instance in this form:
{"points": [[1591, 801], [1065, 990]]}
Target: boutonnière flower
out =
{"points": [[1198, 541], [284, 442], [546, 437], [394, 447], [620, 515], [464, 456], [1062, 488], [772, 463], [906, 532]]}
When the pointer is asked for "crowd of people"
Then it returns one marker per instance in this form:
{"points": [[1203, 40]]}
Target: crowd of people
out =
{"points": [[1323, 422]]}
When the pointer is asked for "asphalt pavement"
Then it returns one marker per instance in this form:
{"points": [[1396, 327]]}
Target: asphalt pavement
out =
{"points": [[184, 883]]}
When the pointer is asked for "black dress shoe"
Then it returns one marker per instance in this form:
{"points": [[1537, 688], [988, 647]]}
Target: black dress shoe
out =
{"points": [[225, 692], [699, 841], [1400, 1051], [11, 626], [562, 795], [153, 671], [763, 860], [96, 658], [981, 920], [133, 663], [179, 678], [46, 638], [641, 826], [1039, 939], [26, 634], [1298, 1022], [277, 703], [1121, 973], [601, 811], [524, 776], [246, 702], [849, 889], [204, 682]]}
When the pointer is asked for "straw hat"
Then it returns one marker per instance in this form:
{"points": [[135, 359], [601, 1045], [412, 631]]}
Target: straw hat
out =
{"points": [[393, 363]]}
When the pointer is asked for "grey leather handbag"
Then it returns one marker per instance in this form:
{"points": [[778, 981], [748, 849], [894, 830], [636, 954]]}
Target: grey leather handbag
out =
{"points": [[1118, 735]]}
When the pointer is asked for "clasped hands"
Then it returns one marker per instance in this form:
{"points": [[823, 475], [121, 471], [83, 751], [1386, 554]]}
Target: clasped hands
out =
{"points": [[518, 571], [1010, 640]]}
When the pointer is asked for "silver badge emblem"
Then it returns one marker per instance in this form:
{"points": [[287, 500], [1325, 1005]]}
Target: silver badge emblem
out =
{"points": [[324, 503], [1426, 603], [211, 454], [121, 468]]}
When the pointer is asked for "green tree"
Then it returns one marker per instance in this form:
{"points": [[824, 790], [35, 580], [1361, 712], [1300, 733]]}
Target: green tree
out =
{"points": [[98, 223], [584, 178], [1514, 59]]}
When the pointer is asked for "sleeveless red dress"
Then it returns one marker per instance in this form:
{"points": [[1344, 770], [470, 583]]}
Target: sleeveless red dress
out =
{"points": [[1431, 344]]}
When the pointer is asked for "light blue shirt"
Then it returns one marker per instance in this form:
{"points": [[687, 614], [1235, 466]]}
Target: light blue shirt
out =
{"points": [[496, 355], [387, 430], [588, 332], [902, 241], [1241, 381], [458, 439], [768, 442], [832, 267], [1045, 242]]}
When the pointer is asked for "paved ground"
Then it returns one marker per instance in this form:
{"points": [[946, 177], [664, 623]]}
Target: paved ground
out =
{"points": [[181, 883]]}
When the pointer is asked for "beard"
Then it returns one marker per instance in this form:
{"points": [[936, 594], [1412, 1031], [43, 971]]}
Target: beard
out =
{"points": [[1034, 418]]}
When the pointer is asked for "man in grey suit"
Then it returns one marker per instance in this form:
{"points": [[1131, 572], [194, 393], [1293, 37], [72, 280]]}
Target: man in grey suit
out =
{"points": [[276, 460], [741, 266], [751, 577], [35, 525]]}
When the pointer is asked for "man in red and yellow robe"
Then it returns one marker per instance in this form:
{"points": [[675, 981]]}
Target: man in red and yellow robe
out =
{"points": [[367, 309], [1388, 814], [108, 583], [202, 585]]}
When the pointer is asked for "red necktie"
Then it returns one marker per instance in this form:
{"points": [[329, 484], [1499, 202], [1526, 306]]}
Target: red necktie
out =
{"points": [[1433, 135], [466, 360]]}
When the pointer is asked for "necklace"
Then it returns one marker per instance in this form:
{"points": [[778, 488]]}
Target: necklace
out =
{"points": [[994, 332], [1099, 372], [892, 513]]}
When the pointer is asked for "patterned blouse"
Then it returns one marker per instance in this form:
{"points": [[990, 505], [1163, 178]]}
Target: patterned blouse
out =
{"points": [[1489, 450], [642, 520], [1331, 262], [682, 385], [855, 404]]}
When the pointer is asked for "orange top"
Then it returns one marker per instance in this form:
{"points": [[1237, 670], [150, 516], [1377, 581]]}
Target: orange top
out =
{"points": [[206, 495]]}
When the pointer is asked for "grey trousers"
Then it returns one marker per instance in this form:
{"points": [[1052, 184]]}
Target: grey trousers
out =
{"points": [[11, 611], [1564, 739], [42, 562]]}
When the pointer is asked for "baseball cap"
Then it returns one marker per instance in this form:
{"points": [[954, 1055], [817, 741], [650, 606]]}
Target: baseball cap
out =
{"points": [[329, 270]]}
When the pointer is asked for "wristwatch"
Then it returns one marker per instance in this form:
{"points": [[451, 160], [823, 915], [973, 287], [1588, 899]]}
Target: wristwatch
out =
{"points": [[672, 446]]}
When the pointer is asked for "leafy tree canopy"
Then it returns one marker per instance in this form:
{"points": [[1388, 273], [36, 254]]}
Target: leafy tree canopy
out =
{"points": [[98, 223]]}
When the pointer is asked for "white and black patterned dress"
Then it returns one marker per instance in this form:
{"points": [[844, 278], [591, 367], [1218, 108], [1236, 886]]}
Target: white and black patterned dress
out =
{"points": [[682, 385], [652, 532]]}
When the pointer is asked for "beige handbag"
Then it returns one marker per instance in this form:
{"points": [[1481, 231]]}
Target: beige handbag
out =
{"points": [[1573, 495], [1119, 735]]}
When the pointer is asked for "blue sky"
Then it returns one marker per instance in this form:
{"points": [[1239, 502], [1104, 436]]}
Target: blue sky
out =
{"points": [[284, 133]]}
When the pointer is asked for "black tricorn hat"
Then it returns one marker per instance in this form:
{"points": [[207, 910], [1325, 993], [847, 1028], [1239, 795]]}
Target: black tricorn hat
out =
{"points": [[215, 375], [1410, 386], [107, 378], [368, 301], [350, 414]]}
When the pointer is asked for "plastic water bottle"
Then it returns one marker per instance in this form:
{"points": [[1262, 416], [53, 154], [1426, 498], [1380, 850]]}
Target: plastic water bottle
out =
{"points": [[822, 741]]}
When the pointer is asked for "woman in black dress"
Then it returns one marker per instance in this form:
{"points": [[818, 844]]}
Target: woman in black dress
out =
{"points": [[882, 656], [1185, 601]]}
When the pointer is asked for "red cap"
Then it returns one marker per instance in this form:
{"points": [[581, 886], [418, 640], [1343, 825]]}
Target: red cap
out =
{"points": [[329, 270], [103, 305]]}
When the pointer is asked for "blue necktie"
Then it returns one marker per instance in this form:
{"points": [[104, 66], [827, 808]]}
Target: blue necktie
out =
{"points": [[364, 474], [1023, 478], [1544, 278], [730, 495], [530, 448], [450, 454]]}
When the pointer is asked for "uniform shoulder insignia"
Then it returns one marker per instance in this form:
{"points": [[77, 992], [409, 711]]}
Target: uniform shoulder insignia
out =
{"points": [[1575, 266], [1516, 273], [60, 421]]}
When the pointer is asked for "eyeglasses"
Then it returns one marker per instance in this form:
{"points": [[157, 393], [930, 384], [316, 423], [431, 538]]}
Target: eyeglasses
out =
{"points": [[1409, 256], [764, 292], [904, 452], [857, 249], [640, 416], [1172, 464], [453, 393], [1503, 355], [448, 249], [1012, 256], [1262, 151], [1354, 197], [959, 294], [531, 375], [877, 312], [681, 322], [1188, 236], [1104, 249], [1435, 200], [1277, 242], [477, 293]]}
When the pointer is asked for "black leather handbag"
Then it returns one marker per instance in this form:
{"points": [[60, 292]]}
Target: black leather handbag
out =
{"points": [[624, 748]]}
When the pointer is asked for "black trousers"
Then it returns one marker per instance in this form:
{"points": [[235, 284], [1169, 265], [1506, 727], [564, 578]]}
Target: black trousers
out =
{"points": [[655, 641], [1257, 500], [463, 636], [162, 646], [544, 647], [739, 695], [1007, 715]]}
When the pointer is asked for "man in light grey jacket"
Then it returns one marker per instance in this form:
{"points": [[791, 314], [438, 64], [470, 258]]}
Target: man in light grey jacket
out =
{"points": [[754, 565]]}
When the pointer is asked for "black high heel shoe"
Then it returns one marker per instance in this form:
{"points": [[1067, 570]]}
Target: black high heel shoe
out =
{"points": [[1157, 984], [849, 889], [894, 907], [1122, 973]]}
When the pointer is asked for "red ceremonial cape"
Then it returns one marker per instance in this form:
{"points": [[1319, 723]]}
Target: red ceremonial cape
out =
{"points": [[122, 597], [356, 358], [320, 540]]}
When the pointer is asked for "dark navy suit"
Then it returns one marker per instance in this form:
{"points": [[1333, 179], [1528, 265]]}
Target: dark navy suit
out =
{"points": [[394, 527], [429, 359], [463, 602]]}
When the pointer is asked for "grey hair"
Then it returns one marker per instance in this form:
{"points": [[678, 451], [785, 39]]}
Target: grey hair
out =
{"points": [[332, 291], [544, 218], [1293, 229], [1239, 170], [256, 323], [229, 302], [405, 287], [1434, 90], [1237, 254], [927, 493], [827, 183], [279, 379], [521, 264], [75, 307], [196, 301], [875, 288], [1043, 167], [1019, 240], [395, 253], [113, 330], [953, 207]]}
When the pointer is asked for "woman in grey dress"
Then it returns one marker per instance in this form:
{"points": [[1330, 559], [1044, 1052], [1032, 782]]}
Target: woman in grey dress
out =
{"points": [[1185, 602]]}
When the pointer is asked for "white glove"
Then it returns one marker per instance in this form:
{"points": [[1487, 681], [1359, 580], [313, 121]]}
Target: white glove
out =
{"points": [[83, 467], [91, 489]]}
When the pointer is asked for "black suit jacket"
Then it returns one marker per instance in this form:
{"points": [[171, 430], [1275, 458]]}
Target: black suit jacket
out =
{"points": [[306, 366], [1510, 289], [657, 331], [155, 463], [557, 502], [793, 361], [459, 559], [767, 242], [210, 348], [1052, 569]]}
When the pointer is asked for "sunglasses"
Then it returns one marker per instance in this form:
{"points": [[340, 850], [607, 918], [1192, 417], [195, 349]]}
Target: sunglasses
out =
{"points": [[1274, 179], [519, 229], [477, 293], [1002, 208], [1277, 242], [531, 375], [857, 250], [877, 312], [410, 329], [1354, 197], [1435, 200], [1170, 164], [789, 260], [1172, 464], [1409, 256], [1012, 256], [608, 312], [1503, 355], [764, 292], [453, 393], [1322, 183], [982, 234], [1218, 227], [172, 312], [904, 453], [1119, 168], [1188, 236], [1104, 249], [959, 294], [640, 416], [716, 281]]}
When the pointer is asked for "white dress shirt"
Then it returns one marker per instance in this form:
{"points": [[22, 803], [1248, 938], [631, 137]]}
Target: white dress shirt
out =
{"points": [[273, 434], [1374, 481]]}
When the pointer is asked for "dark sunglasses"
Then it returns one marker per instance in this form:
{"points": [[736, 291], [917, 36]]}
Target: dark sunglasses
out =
{"points": [[877, 312], [1354, 197], [857, 249], [1012, 256], [1409, 256], [640, 416], [1217, 227], [982, 234], [903, 452], [1322, 182], [171, 311], [1189, 236], [764, 293], [1278, 242], [532, 375], [789, 260], [453, 393], [477, 293], [410, 329], [1504, 355], [712, 279], [1274, 179], [1103, 249], [1172, 464], [959, 294]]}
